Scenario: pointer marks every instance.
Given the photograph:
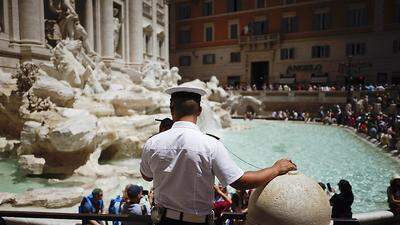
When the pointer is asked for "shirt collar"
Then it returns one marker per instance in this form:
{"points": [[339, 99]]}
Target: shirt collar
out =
{"points": [[185, 124]]}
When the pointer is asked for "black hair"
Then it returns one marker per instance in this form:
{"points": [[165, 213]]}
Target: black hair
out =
{"points": [[185, 104], [96, 192]]}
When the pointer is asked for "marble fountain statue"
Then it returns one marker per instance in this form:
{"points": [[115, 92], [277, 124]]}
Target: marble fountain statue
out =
{"points": [[58, 118]]}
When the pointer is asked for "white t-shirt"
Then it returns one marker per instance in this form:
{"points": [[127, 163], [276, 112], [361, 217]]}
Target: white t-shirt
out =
{"points": [[183, 163]]}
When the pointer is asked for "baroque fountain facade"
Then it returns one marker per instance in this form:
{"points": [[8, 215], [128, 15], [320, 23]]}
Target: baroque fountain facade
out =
{"points": [[60, 114]]}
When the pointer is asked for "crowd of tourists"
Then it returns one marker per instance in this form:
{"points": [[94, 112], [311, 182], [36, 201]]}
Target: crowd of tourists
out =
{"points": [[376, 116], [291, 115], [310, 87], [136, 201]]}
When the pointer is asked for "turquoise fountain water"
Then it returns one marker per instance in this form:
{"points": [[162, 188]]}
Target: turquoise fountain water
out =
{"points": [[324, 153]]}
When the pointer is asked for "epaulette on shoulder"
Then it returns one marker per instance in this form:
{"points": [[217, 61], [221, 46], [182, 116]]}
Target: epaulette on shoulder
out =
{"points": [[213, 136]]}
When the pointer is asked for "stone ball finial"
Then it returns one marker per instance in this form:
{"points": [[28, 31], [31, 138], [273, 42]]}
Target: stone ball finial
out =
{"points": [[291, 199]]}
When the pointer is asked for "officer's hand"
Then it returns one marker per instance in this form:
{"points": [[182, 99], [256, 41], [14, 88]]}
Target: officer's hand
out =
{"points": [[284, 165], [216, 189]]}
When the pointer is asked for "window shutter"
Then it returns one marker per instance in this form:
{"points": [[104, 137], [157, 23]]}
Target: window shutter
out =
{"points": [[348, 49], [327, 51], [230, 5], [329, 20], [291, 53], [295, 24], [363, 48], [239, 5], [350, 18], [315, 22], [364, 17], [314, 51], [284, 25]]}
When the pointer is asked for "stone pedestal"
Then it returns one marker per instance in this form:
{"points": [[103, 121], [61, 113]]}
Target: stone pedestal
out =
{"points": [[289, 199]]}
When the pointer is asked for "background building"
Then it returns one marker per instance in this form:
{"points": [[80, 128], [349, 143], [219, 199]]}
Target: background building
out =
{"points": [[123, 32], [286, 41]]}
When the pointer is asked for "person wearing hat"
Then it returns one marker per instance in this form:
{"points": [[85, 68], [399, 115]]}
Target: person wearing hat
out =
{"points": [[183, 162], [134, 194]]}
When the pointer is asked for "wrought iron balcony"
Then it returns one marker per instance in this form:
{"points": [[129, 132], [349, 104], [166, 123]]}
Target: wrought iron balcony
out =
{"points": [[268, 40]]}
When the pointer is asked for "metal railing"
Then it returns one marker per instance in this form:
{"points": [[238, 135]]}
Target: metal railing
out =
{"points": [[376, 218], [142, 220], [264, 38]]}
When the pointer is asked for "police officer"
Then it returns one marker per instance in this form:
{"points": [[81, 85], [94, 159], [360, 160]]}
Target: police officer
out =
{"points": [[182, 163]]}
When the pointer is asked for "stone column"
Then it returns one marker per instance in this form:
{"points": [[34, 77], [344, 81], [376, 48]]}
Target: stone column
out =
{"points": [[89, 26], [154, 38], [31, 21], [107, 29], [136, 31], [166, 30]]}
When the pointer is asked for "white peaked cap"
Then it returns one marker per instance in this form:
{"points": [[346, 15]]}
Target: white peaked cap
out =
{"points": [[182, 88]]}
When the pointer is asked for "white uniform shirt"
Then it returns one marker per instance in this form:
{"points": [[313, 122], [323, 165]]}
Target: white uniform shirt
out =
{"points": [[183, 163]]}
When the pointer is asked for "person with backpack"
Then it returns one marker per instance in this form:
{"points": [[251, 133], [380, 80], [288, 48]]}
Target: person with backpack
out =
{"points": [[132, 206], [116, 207], [92, 204]]}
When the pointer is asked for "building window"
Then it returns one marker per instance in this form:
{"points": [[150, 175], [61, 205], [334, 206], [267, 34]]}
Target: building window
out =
{"points": [[287, 2], [355, 49], [260, 4], [260, 27], [234, 5], [321, 21], [184, 60], [382, 78], [397, 13], [396, 46], [207, 7], [320, 51], [233, 31], [396, 77], [1, 16], [357, 17], [233, 81], [209, 59], [289, 24], [184, 36], [183, 11], [147, 47], [235, 57], [287, 53], [208, 32], [160, 48]]}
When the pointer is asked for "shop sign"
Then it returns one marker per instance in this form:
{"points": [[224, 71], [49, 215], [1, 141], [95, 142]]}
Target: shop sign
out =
{"points": [[304, 68], [355, 67]]}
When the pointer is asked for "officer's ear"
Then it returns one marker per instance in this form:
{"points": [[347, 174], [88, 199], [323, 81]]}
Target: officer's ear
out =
{"points": [[200, 110]]}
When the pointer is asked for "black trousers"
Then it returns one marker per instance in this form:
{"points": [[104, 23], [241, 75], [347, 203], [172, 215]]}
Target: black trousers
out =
{"points": [[168, 221]]}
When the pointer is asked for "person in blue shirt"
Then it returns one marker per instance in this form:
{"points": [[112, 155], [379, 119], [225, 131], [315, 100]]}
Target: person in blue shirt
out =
{"points": [[133, 206], [92, 204]]}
